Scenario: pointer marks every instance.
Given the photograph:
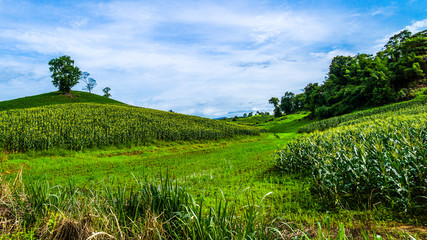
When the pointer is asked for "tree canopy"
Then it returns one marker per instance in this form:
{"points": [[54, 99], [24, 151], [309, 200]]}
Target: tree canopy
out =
{"points": [[65, 75]]}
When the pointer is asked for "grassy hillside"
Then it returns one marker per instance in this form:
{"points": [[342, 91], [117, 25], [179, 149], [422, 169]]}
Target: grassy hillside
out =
{"points": [[285, 124], [53, 98]]}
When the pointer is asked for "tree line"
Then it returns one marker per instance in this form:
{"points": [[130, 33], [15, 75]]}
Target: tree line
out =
{"points": [[364, 80], [66, 75]]}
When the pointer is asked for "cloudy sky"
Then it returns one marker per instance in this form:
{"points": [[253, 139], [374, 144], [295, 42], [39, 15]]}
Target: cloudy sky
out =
{"points": [[207, 58]]}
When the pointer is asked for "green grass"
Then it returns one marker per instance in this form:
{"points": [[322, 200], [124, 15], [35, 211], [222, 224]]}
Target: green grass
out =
{"points": [[201, 165], [253, 120], [54, 98], [150, 210], [285, 124]]}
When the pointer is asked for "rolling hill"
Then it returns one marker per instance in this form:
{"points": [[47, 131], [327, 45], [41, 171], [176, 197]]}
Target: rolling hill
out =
{"points": [[53, 98]]}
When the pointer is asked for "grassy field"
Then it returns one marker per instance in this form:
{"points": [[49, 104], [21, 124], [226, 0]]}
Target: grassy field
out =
{"points": [[241, 172], [205, 166]]}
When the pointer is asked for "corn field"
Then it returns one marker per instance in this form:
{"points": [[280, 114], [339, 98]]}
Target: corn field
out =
{"points": [[375, 161], [400, 108], [85, 125]]}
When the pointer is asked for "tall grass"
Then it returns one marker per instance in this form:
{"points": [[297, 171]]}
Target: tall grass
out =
{"points": [[151, 210], [162, 210]]}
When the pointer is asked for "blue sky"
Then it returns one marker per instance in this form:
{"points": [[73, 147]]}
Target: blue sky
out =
{"points": [[206, 58]]}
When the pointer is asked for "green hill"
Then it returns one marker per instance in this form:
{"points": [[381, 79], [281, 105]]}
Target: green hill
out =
{"points": [[86, 125], [54, 98], [285, 124]]}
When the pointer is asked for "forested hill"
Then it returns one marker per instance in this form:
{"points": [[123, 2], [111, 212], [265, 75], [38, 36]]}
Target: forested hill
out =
{"points": [[364, 80], [54, 98]]}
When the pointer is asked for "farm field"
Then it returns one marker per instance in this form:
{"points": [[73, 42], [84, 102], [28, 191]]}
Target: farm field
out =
{"points": [[241, 169]]}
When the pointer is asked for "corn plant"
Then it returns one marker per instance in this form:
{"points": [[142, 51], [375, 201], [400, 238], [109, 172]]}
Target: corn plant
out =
{"points": [[86, 125], [378, 160], [399, 108]]}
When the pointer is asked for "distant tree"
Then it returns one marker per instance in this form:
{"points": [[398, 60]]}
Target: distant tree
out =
{"points": [[299, 102], [287, 103], [107, 92], [277, 112], [313, 96], [84, 76], [65, 75], [90, 82], [235, 118], [275, 102], [171, 111], [245, 115], [250, 114]]}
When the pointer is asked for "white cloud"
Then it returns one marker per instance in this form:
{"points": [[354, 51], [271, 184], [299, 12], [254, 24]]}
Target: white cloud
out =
{"points": [[199, 58], [79, 22], [386, 11], [414, 28], [417, 26]]}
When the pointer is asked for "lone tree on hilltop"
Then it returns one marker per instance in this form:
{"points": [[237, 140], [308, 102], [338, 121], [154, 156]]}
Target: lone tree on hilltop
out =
{"points": [[107, 92], [90, 82], [65, 75]]}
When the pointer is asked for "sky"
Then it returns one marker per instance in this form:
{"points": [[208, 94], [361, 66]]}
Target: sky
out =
{"points": [[207, 58]]}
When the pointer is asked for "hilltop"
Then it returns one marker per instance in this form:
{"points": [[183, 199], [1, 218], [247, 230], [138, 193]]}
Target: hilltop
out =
{"points": [[54, 98]]}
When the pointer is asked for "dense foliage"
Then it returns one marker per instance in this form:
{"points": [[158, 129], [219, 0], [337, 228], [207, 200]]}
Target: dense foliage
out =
{"points": [[64, 74], [84, 125], [355, 82], [366, 80], [376, 159]]}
